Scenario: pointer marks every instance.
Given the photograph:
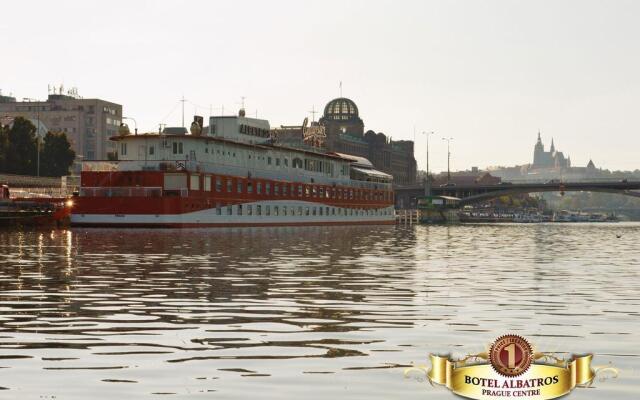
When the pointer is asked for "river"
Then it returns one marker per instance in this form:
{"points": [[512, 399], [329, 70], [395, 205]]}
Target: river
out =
{"points": [[314, 313]]}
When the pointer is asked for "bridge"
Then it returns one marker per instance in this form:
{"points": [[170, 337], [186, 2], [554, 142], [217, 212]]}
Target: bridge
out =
{"points": [[475, 193]]}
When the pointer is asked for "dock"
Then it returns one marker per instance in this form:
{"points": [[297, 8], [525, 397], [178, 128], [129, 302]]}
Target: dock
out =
{"points": [[407, 217]]}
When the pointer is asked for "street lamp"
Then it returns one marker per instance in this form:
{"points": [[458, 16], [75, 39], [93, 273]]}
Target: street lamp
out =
{"points": [[37, 133], [427, 188], [135, 124], [448, 159]]}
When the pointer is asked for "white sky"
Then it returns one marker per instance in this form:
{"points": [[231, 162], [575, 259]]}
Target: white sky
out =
{"points": [[487, 73]]}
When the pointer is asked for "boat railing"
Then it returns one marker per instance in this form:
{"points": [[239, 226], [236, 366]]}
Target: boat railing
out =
{"points": [[125, 191], [37, 193]]}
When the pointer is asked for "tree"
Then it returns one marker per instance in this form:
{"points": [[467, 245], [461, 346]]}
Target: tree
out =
{"points": [[20, 155], [57, 155]]}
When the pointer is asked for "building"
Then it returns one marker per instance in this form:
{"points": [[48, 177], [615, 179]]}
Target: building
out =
{"points": [[548, 165], [88, 123], [548, 159], [341, 130]]}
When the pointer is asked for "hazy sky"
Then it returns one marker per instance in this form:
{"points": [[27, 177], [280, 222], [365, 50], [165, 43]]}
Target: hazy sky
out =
{"points": [[487, 73]]}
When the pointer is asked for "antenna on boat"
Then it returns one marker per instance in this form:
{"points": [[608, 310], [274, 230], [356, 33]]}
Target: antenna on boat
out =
{"points": [[242, 110]]}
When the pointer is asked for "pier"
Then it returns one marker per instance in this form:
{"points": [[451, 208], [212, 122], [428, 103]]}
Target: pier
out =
{"points": [[407, 217]]}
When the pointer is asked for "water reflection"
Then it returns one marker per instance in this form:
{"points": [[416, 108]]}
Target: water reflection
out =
{"points": [[336, 310]]}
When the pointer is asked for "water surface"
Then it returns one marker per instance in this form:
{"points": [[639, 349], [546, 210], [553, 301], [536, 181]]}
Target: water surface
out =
{"points": [[305, 312]]}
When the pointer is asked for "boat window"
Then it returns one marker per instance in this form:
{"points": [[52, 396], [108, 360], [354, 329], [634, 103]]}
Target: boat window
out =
{"points": [[229, 209], [284, 190], [258, 210], [239, 186], [284, 210], [269, 160], [239, 209], [277, 162], [151, 150], [123, 149], [286, 162], [207, 183], [306, 211], [194, 182], [276, 190], [299, 190], [299, 210], [229, 185], [259, 188], [218, 184], [249, 187], [249, 210], [267, 210], [267, 188], [218, 209]]}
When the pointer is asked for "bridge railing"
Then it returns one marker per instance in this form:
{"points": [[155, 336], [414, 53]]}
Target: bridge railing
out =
{"points": [[560, 180]]}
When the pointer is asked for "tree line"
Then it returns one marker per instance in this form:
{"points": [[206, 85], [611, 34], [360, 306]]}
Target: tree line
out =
{"points": [[19, 150]]}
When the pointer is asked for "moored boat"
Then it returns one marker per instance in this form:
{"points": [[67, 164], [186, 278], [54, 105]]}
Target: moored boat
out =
{"points": [[43, 211], [228, 174]]}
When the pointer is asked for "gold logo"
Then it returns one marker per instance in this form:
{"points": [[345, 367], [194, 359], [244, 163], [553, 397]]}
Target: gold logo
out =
{"points": [[511, 368]]}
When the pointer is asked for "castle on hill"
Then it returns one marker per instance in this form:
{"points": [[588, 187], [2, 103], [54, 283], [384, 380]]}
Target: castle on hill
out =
{"points": [[551, 164], [548, 159]]}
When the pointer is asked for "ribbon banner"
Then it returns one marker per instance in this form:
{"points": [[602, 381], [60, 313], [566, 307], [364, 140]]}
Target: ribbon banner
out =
{"points": [[539, 382]]}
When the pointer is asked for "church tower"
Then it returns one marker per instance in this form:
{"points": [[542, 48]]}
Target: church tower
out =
{"points": [[538, 152]]}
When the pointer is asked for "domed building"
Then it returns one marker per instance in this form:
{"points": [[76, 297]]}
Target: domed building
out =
{"points": [[341, 116], [345, 133], [341, 130]]}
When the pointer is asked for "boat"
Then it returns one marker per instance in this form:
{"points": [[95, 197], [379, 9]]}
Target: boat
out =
{"points": [[229, 174], [39, 211], [576, 216]]}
